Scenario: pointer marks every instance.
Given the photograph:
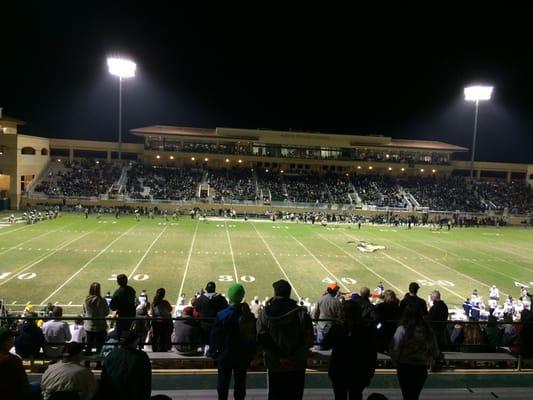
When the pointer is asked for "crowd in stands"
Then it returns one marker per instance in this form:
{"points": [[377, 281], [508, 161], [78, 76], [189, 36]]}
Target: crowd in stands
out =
{"points": [[235, 184], [80, 178], [354, 327]]}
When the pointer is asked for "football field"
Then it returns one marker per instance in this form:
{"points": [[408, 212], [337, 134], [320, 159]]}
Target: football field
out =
{"points": [[56, 261]]}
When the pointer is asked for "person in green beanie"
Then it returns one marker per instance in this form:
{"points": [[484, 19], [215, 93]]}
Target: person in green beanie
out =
{"points": [[233, 343]]}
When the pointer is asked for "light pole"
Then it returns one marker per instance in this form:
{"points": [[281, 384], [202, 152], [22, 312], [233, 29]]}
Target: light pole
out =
{"points": [[476, 94], [123, 69]]}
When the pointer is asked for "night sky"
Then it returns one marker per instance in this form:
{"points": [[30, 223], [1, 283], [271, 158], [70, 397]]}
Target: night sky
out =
{"points": [[321, 69]]}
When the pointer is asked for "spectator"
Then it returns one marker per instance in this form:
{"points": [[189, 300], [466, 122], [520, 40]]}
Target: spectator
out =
{"points": [[14, 383], [412, 297], [327, 307], [208, 305], [285, 332], [187, 334], [126, 371], [141, 325], [68, 376], [437, 317], [95, 306], [123, 302], [77, 331], [233, 343], [473, 338], [526, 337], [30, 338], [56, 333], [414, 345], [161, 313], [354, 355], [388, 316], [256, 307], [493, 333], [367, 308]]}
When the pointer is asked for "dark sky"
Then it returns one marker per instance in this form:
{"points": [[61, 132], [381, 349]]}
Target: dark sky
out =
{"points": [[324, 69]]}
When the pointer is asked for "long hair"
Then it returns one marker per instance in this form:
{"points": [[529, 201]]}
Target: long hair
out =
{"points": [[94, 289], [412, 318], [390, 297], [352, 316], [159, 296]]}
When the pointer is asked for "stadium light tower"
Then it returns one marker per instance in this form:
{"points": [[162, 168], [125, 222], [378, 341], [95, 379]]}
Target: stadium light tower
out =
{"points": [[122, 68], [476, 94]]}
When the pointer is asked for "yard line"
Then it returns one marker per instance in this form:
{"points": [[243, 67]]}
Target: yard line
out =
{"points": [[84, 266], [14, 230], [146, 252], [319, 262], [277, 262], [470, 261], [29, 240], [188, 259], [415, 271], [231, 252], [42, 258], [508, 262], [360, 262], [441, 264]]}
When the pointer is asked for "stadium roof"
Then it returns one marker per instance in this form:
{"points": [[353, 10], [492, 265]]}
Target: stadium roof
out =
{"points": [[293, 137]]}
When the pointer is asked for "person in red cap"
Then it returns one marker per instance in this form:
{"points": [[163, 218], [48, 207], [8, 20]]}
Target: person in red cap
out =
{"points": [[328, 307]]}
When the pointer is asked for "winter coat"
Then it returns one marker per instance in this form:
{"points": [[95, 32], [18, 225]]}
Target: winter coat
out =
{"points": [[208, 305], [188, 335], [123, 301], [419, 348], [437, 317], [29, 340], [327, 307], [285, 332], [95, 307]]}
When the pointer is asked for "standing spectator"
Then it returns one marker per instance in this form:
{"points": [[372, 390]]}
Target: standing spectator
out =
{"points": [[354, 355], [256, 307], [96, 307], [412, 298], [77, 331], [141, 325], [437, 318], [126, 371], [327, 307], [68, 375], [123, 302], [233, 343], [388, 316], [285, 332], [367, 308], [57, 333], [413, 347], [161, 313], [30, 337], [14, 383], [187, 334], [208, 305], [526, 337]]}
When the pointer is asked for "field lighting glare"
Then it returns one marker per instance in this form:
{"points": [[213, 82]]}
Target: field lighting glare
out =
{"points": [[121, 67], [477, 93]]}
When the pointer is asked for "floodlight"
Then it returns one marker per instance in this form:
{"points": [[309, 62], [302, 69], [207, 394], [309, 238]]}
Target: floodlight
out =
{"points": [[477, 93], [121, 67]]}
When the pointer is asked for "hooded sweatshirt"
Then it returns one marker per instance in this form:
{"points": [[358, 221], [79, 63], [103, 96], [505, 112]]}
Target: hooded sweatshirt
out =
{"points": [[95, 306], [285, 332]]}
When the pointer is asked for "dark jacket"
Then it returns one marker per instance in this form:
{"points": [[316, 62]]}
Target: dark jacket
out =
{"points": [[526, 337], [437, 317], [353, 356], [188, 335], [421, 303], [368, 310], [233, 338], [388, 316], [208, 305], [285, 332], [126, 375], [123, 301], [29, 340]]}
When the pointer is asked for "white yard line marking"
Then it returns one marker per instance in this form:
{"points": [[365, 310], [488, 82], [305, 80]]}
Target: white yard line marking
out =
{"points": [[84, 266], [360, 262], [277, 262], [470, 261], [320, 263], [41, 258], [14, 230], [231, 252], [415, 271], [505, 261], [188, 259], [441, 264], [146, 252], [29, 240]]}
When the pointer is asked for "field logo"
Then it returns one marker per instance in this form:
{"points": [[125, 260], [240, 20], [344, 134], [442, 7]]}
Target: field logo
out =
{"points": [[365, 247]]}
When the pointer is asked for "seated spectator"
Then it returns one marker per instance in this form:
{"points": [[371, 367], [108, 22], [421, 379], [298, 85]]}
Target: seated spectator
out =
{"points": [[187, 334], [68, 376], [14, 383], [473, 339], [493, 333], [77, 331], [30, 338], [126, 371], [56, 333], [354, 355]]}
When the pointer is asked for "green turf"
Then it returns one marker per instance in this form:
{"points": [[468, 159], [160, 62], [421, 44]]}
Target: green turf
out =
{"points": [[56, 261]]}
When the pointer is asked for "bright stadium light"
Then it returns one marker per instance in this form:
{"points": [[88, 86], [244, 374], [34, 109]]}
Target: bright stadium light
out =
{"points": [[122, 68], [476, 94]]}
